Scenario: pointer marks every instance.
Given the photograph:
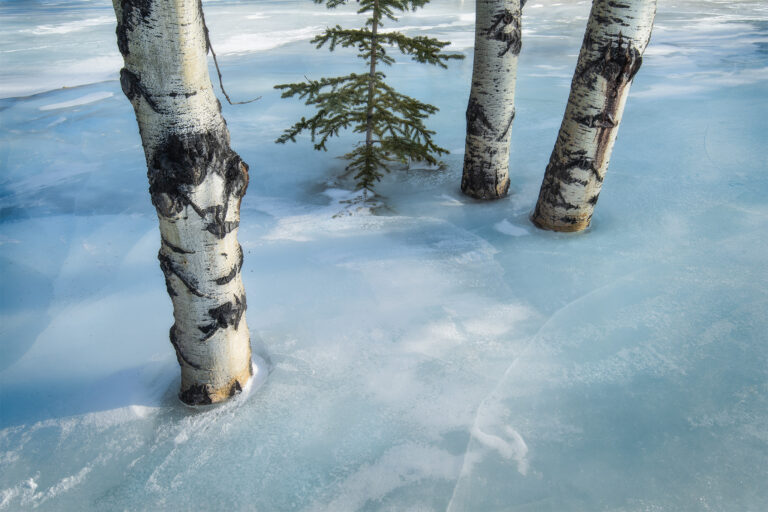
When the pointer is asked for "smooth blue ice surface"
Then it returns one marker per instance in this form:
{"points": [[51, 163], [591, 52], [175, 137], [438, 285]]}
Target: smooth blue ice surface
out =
{"points": [[424, 351]]}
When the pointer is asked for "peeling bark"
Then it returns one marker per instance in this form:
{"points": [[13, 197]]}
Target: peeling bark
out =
{"points": [[611, 54], [196, 183], [491, 107]]}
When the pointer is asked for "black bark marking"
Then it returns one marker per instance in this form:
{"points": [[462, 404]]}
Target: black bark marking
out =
{"points": [[505, 27], [229, 313], [185, 94], [227, 278], [603, 20], [477, 121], [501, 137], [183, 161], [131, 85], [602, 120], [169, 268], [607, 20], [169, 287], [177, 250], [179, 354], [208, 331], [580, 160], [235, 269], [593, 200], [480, 178], [178, 163], [197, 394], [553, 195], [216, 225], [133, 13], [560, 173], [226, 315], [235, 389], [561, 170], [618, 63]]}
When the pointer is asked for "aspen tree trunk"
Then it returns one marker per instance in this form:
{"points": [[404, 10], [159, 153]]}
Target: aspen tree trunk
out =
{"points": [[196, 183], [491, 108], [617, 33]]}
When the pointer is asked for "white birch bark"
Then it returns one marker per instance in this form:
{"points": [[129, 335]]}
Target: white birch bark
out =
{"points": [[491, 107], [617, 34], [196, 184]]}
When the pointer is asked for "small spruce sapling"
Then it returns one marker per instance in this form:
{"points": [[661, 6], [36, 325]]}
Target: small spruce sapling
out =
{"points": [[393, 123]]}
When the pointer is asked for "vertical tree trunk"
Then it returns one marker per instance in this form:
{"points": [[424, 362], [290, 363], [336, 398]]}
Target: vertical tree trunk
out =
{"points": [[196, 183], [491, 108], [617, 33], [372, 77]]}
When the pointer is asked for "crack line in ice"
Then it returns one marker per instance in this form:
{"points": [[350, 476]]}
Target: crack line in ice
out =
{"points": [[518, 449]]}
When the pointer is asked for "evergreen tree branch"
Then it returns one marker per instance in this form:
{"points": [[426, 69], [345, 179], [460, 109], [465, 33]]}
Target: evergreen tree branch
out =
{"points": [[422, 49]]}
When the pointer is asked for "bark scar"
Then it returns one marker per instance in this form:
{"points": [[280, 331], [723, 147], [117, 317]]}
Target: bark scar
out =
{"points": [[618, 62], [235, 269], [179, 354], [182, 162], [227, 315], [177, 250], [169, 268], [197, 394], [505, 27], [132, 87], [503, 135], [133, 12], [477, 121]]}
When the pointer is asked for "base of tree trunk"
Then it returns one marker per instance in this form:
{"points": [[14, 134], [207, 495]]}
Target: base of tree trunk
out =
{"points": [[206, 394], [568, 225], [478, 183], [485, 195]]}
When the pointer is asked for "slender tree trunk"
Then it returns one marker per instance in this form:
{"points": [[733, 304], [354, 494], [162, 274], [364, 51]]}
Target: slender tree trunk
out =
{"points": [[617, 33], [372, 76], [196, 183], [491, 108]]}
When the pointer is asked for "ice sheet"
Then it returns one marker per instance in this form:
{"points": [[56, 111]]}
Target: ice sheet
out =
{"points": [[421, 351]]}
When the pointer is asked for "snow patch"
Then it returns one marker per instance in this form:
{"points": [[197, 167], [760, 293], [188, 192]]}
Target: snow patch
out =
{"points": [[513, 448], [449, 201], [82, 100], [510, 229], [398, 467], [258, 42], [72, 26]]}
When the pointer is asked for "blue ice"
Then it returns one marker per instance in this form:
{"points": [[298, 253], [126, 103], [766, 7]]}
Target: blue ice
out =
{"points": [[424, 351]]}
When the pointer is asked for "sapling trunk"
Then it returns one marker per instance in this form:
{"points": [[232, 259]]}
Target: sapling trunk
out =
{"points": [[372, 78], [491, 107], [611, 54], [196, 182]]}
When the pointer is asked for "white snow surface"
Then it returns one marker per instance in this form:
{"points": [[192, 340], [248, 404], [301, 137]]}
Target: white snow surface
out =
{"points": [[417, 351]]}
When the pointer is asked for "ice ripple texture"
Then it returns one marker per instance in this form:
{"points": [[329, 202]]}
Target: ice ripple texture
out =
{"points": [[423, 351]]}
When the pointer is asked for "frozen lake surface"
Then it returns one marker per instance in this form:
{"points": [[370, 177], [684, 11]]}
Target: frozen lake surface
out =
{"points": [[432, 353]]}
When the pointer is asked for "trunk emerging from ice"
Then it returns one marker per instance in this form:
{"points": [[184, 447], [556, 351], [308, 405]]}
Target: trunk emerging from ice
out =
{"points": [[617, 33], [196, 183], [491, 108]]}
